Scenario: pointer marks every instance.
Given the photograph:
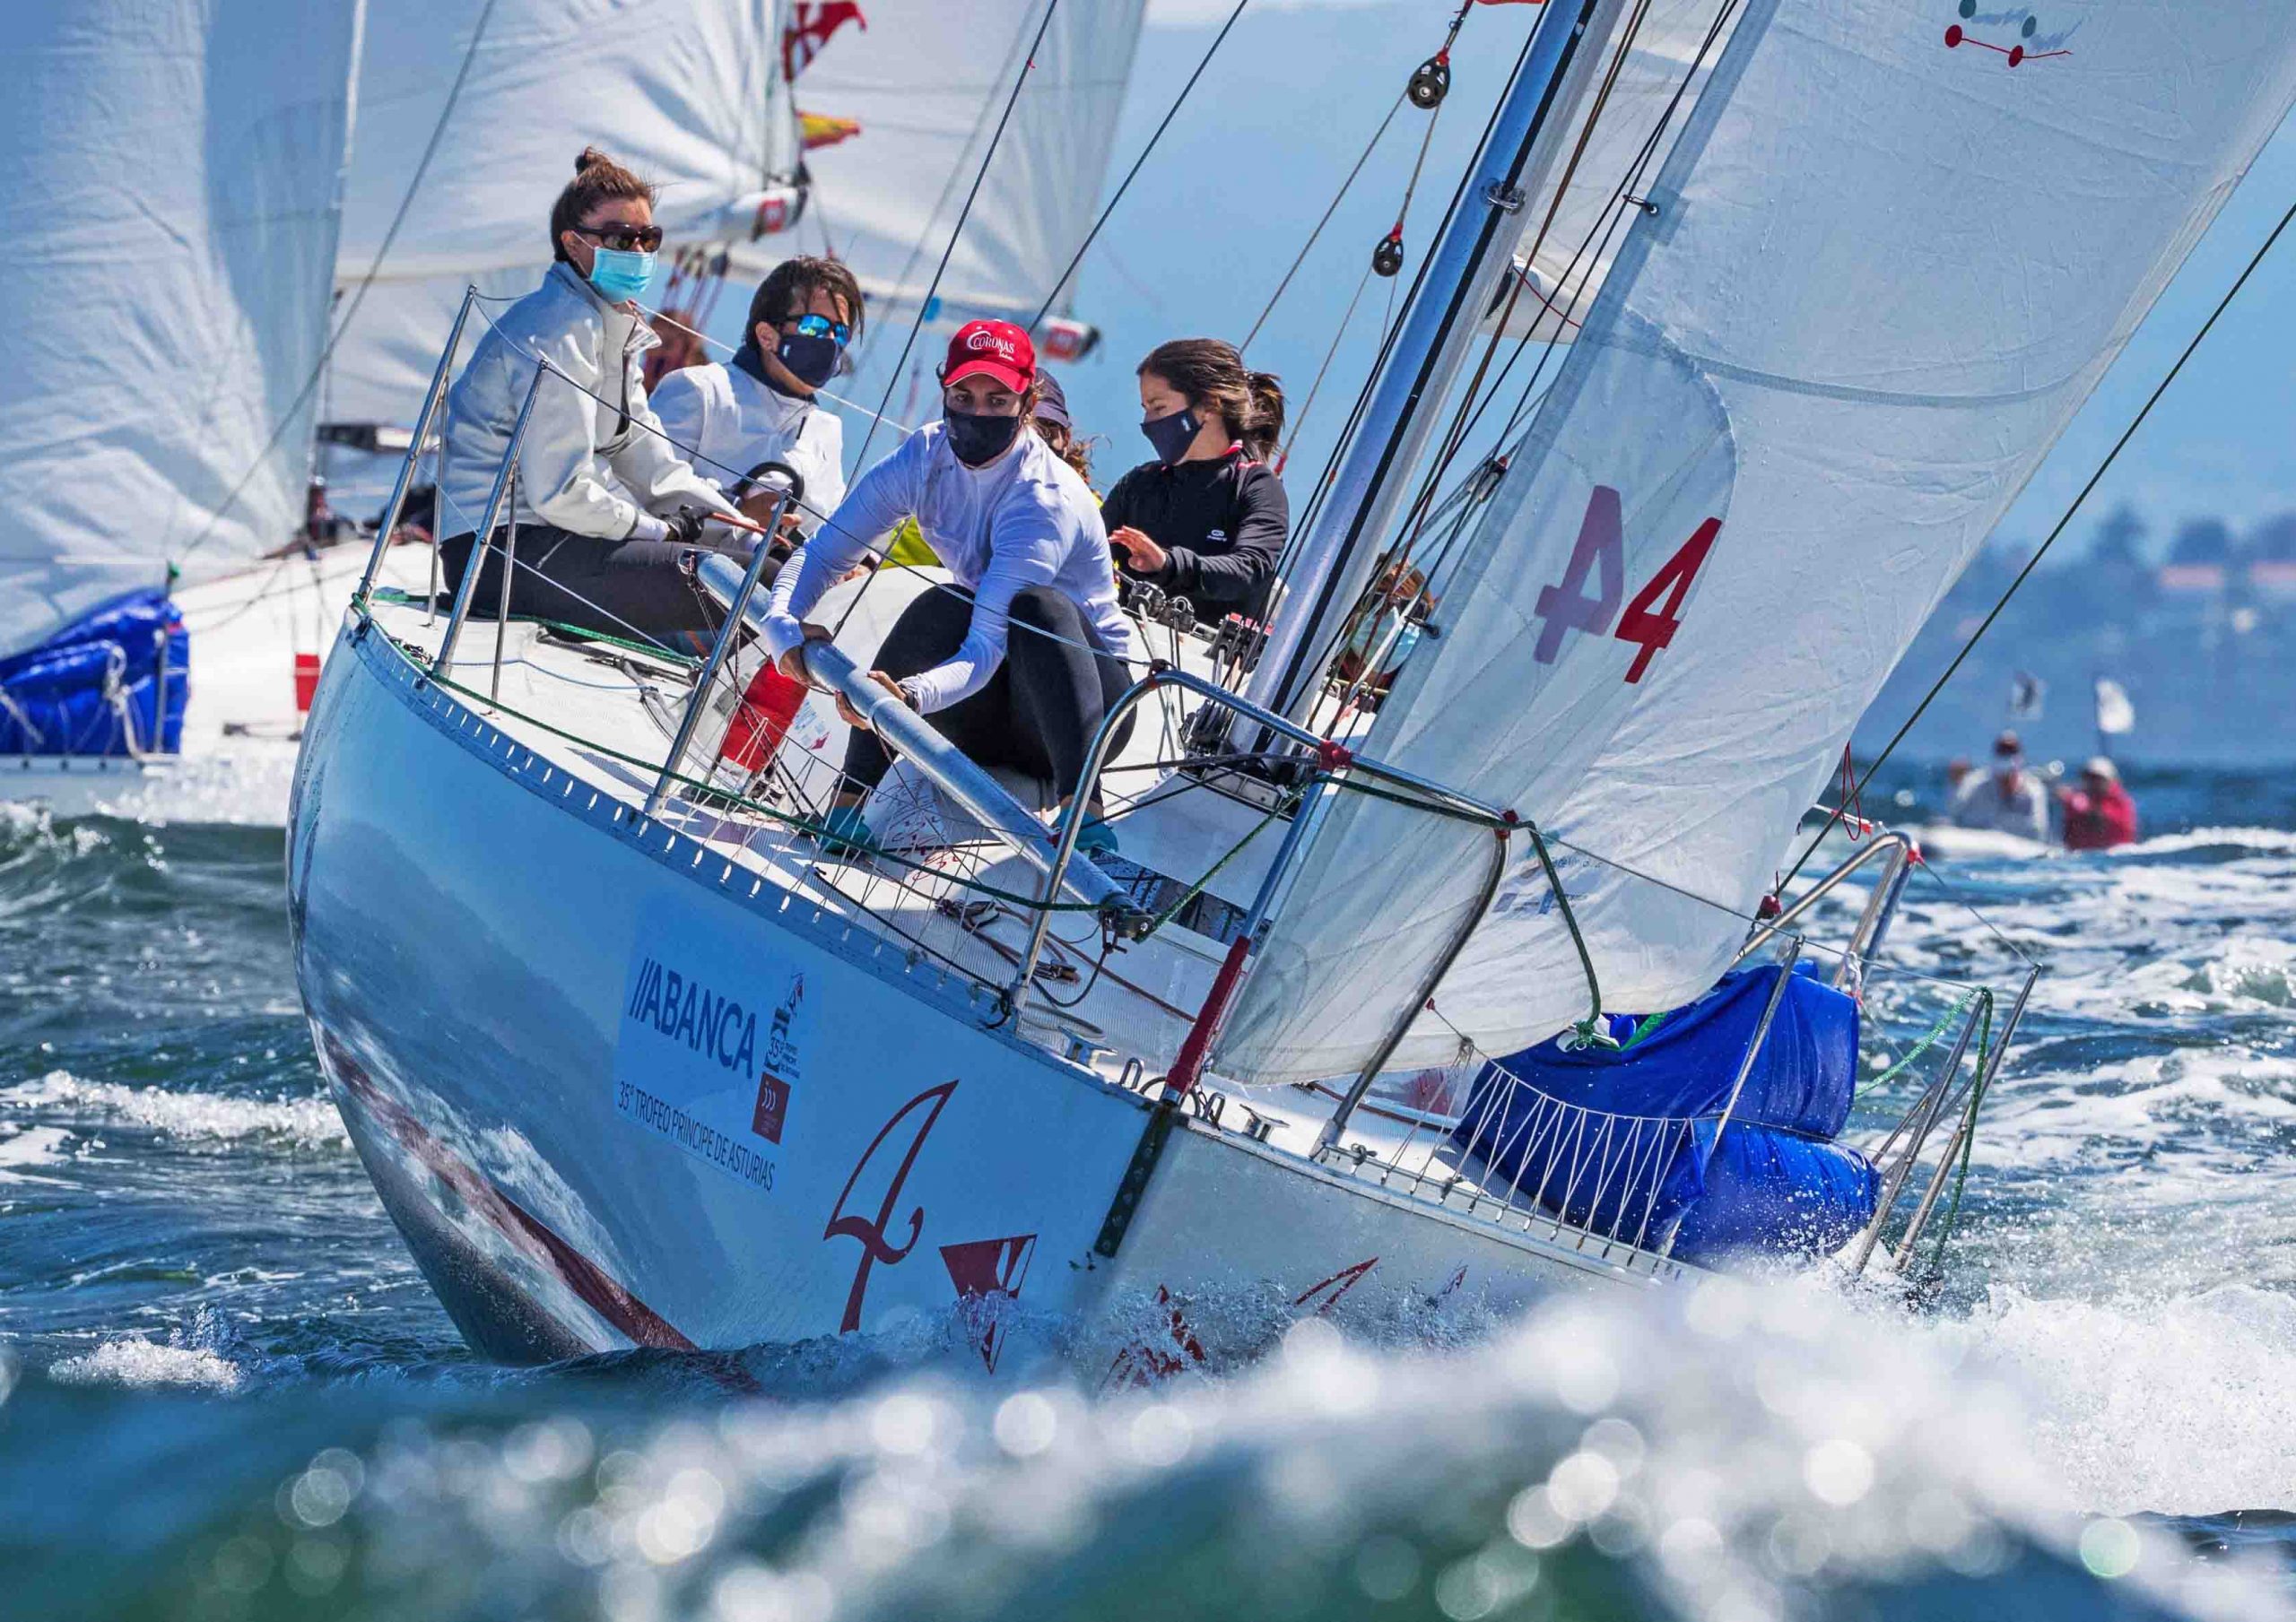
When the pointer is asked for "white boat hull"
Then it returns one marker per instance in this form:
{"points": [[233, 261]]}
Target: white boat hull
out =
{"points": [[618, 1091]]}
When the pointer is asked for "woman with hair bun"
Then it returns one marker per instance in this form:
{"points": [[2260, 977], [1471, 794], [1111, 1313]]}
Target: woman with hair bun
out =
{"points": [[1207, 519], [608, 513]]}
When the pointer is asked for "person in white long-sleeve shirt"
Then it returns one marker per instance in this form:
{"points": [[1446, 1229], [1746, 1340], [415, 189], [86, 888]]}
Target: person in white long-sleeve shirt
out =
{"points": [[608, 513], [1019, 666], [2007, 800], [731, 419]]}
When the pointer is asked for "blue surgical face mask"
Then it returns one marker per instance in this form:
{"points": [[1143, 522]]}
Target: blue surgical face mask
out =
{"points": [[620, 275]]}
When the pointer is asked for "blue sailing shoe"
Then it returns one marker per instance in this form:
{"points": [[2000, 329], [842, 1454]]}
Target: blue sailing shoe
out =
{"points": [[846, 833], [1095, 838]]}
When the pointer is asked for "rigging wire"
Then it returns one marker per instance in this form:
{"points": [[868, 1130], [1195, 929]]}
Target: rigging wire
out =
{"points": [[1339, 196], [359, 293], [2063, 521], [1171, 113], [980, 175]]}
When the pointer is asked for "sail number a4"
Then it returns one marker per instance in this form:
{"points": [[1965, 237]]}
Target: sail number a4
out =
{"points": [[1647, 622]]}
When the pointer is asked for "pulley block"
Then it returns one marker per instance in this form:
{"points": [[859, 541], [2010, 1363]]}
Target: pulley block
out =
{"points": [[1430, 82]]}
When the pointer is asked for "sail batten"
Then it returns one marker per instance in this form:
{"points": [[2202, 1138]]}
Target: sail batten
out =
{"points": [[1885, 269]]}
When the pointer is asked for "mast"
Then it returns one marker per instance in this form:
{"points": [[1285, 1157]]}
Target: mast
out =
{"points": [[1440, 327]]}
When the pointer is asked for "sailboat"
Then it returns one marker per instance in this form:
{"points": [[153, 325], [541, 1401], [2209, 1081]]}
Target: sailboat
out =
{"points": [[174, 198], [634, 1059]]}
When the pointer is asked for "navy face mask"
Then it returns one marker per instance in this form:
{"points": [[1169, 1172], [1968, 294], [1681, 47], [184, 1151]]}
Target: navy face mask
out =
{"points": [[978, 440], [810, 359], [1172, 435]]}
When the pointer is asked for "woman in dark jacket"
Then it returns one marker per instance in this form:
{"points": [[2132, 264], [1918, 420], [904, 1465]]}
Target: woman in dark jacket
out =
{"points": [[1207, 519]]}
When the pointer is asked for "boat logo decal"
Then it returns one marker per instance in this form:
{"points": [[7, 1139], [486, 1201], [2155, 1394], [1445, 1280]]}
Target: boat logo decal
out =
{"points": [[781, 1065], [874, 1233], [2013, 35], [692, 1064], [1327, 1293], [988, 1273], [1528, 891]]}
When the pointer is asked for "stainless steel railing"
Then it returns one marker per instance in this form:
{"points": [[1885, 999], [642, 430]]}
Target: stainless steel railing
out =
{"points": [[1872, 923]]}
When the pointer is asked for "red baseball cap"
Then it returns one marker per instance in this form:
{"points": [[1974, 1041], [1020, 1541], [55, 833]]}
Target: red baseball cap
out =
{"points": [[998, 348]]}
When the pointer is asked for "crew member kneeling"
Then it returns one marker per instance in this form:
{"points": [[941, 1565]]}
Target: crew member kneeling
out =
{"points": [[588, 553], [1022, 535]]}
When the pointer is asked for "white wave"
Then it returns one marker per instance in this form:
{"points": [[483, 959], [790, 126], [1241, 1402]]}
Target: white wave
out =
{"points": [[306, 1120], [31, 1146], [1733, 1451], [2181, 1405], [144, 1365]]}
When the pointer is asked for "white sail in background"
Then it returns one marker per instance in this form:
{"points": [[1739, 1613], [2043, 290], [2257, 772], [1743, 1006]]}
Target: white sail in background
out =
{"points": [[1575, 223], [926, 81], [687, 93], [174, 168], [1894, 252]]}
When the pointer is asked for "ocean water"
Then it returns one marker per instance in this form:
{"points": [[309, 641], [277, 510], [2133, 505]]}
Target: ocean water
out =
{"points": [[225, 1393]]}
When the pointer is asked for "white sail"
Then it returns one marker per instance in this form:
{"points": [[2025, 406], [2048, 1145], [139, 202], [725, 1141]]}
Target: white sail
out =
{"points": [[687, 93], [1646, 89], [926, 83], [1894, 251], [173, 170]]}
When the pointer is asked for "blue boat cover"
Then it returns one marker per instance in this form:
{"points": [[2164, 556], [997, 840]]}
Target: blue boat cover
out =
{"points": [[60, 693], [1773, 1182], [1684, 1067]]}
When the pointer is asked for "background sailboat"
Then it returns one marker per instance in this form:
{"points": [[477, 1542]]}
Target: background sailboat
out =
{"points": [[174, 175]]}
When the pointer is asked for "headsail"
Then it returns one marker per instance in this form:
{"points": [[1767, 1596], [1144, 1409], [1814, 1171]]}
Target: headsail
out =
{"points": [[173, 172], [926, 81], [689, 93], [1894, 251]]}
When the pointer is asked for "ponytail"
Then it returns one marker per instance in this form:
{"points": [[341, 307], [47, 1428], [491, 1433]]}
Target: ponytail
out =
{"points": [[1265, 433]]}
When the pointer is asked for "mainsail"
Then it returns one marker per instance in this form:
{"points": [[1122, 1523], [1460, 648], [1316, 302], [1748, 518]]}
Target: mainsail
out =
{"points": [[173, 172], [688, 93], [926, 81], [1891, 252]]}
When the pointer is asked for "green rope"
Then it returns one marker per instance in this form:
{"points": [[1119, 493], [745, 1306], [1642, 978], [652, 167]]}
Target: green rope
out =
{"points": [[1969, 1136], [1235, 850], [1644, 1027], [1929, 1040]]}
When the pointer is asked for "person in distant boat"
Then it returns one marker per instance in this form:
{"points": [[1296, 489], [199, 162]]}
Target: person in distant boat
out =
{"points": [[1018, 663], [609, 515], [2099, 814], [1207, 519], [2007, 800], [761, 407]]}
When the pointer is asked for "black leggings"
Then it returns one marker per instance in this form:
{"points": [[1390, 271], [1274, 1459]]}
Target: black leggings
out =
{"points": [[1037, 713], [635, 589]]}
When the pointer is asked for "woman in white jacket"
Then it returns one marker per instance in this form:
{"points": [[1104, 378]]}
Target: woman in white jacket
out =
{"points": [[609, 513]]}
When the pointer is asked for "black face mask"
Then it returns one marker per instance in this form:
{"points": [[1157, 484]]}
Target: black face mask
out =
{"points": [[977, 441], [811, 361], [1172, 435]]}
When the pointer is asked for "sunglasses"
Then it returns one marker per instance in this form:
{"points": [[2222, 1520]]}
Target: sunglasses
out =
{"points": [[822, 326], [623, 238]]}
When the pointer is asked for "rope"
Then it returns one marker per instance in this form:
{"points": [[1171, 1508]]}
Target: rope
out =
{"points": [[933, 289], [1169, 114], [2095, 477], [1589, 1029]]}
